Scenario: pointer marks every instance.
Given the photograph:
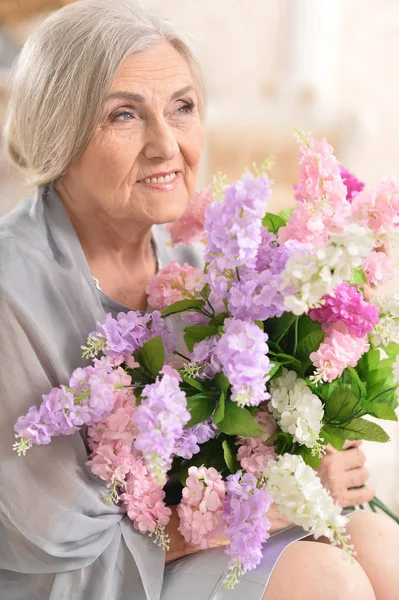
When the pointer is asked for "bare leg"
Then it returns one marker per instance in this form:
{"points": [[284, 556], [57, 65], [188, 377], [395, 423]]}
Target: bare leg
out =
{"points": [[309, 571], [376, 541]]}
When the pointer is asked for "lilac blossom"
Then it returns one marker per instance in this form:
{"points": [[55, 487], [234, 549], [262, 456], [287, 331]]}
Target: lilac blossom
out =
{"points": [[187, 444], [242, 351], [129, 332], [233, 227], [256, 296], [160, 420], [204, 354], [247, 525]]}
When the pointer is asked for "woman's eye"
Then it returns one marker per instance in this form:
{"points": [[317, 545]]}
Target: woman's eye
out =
{"points": [[123, 116], [186, 108]]}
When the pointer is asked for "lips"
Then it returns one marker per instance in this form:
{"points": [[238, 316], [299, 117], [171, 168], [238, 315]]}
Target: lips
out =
{"points": [[160, 177]]}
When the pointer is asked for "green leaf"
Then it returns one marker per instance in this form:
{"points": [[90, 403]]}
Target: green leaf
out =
{"points": [[284, 443], [152, 356], [193, 382], [341, 405], [273, 222], [379, 410], [220, 318], [329, 437], [275, 370], [358, 277], [310, 343], [392, 350], [219, 412], [221, 382], [238, 421], [286, 360], [182, 306], [306, 453], [368, 362], [200, 407], [361, 429], [196, 333], [229, 456], [277, 327], [358, 387], [285, 214]]}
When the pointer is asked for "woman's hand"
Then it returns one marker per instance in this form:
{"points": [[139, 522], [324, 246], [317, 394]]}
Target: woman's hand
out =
{"points": [[340, 471]]}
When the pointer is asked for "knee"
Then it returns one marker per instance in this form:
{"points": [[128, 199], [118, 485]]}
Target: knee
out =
{"points": [[318, 571]]}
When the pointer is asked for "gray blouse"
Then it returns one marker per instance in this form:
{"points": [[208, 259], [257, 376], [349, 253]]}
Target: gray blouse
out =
{"points": [[58, 539]]}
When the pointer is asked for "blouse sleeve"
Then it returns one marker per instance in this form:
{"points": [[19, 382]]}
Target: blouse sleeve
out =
{"points": [[52, 516]]}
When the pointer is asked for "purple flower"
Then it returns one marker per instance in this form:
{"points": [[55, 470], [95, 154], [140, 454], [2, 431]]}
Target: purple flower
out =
{"points": [[125, 334], [60, 414], [204, 354], [247, 526], [273, 257], [129, 332], [29, 426], [233, 226], [160, 420], [187, 444], [347, 305], [94, 387], [256, 296], [353, 185], [242, 350], [159, 328]]}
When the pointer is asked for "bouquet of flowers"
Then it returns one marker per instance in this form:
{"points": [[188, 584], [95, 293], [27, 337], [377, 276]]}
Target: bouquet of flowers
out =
{"points": [[284, 355]]}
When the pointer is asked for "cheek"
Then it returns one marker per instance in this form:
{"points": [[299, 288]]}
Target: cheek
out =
{"points": [[110, 157], [192, 147]]}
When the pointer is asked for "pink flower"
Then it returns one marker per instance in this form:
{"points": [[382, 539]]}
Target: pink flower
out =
{"points": [[379, 209], [192, 493], [322, 206], [190, 227], [252, 454], [378, 268], [143, 500], [347, 305], [339, 350], [203, 522], [201, 509], [174, 283]]}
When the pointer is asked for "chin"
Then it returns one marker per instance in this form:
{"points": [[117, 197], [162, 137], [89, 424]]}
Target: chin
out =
{"points": [[168, 213]]}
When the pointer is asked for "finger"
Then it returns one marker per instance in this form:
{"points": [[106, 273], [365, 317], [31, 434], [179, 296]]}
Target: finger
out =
{"points": [[359, 496], [355, 477], [353, 458], [352, 444]]}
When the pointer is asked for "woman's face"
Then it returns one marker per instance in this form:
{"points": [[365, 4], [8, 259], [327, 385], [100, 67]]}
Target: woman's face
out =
{"points": [[143, 158]]}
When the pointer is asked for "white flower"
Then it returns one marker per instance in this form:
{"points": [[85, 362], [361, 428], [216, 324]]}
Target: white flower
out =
{"points": [[357, 242], [309, 277], [387, 329], [300, 496], [296, 409]]}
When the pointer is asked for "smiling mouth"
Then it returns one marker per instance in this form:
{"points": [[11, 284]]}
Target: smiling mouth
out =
{"points": [[164, 178]]}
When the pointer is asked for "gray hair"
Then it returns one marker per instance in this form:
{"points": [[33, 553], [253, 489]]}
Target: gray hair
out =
{"points": [[62, 75]]}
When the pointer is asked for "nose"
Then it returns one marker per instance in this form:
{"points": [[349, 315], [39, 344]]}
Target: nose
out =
{"points": [[160, 141]]}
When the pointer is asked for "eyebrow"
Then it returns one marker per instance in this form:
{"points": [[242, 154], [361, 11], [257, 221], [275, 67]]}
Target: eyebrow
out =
{"points": [[122, 95]]}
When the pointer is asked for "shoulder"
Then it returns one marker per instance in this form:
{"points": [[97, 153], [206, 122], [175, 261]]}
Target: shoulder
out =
{"points": [[166, 253], [23, 226]]}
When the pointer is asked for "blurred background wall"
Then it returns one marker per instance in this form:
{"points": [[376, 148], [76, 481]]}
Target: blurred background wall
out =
{"points": [[328, 66]]}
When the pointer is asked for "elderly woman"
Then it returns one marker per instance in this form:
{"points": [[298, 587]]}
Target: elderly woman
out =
{"points": [[106, 118]]}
